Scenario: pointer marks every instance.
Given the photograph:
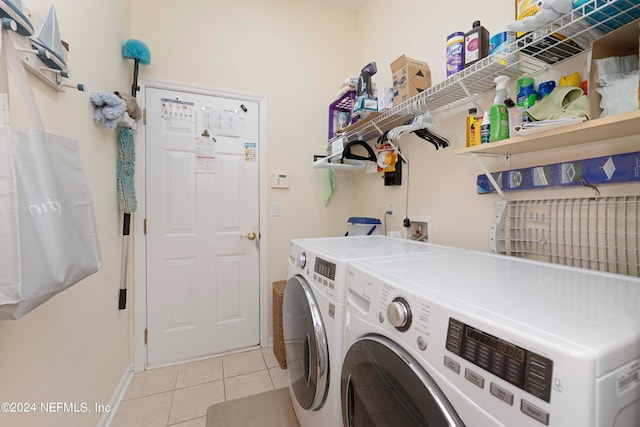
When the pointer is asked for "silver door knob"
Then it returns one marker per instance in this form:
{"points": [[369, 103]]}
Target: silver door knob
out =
{"points": [[250, 235]]}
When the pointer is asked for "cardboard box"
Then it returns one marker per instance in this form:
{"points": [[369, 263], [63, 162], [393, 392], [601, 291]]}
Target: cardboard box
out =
{"points": [[622, 42], [410, 77]]}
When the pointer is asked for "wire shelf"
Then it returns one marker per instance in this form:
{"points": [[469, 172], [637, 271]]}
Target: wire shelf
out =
{"points": [[528, 55], [595, 233]]}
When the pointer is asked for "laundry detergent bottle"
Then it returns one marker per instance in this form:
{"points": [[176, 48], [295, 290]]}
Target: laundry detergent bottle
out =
{"points": [[526, 96], [499, 128]]}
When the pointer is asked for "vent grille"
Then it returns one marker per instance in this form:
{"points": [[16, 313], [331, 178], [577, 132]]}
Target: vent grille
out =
{"points": [[595, 233]]}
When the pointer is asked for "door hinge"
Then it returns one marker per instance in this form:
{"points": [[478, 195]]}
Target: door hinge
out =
{"points": [[146, 336], [144, 116], [145, 226]]}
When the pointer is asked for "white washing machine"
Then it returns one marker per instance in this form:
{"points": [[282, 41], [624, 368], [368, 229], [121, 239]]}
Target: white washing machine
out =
{"points": [[313, 316], [484, 340]]}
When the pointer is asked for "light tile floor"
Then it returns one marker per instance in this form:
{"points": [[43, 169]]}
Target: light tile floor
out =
{"points": [[179, 395]]}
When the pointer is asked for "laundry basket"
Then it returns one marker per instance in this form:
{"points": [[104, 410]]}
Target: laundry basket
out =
{"points": [[278, 336], [363, 226]]}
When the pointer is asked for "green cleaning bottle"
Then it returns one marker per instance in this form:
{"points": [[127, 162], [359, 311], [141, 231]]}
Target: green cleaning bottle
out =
{"points": [[526, 96], [499, 128]]}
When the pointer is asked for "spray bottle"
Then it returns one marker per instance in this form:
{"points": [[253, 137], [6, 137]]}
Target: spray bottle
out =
{"points": [[485, 128], [526, 96], [365, 101], [515, 116], [499, 128]]}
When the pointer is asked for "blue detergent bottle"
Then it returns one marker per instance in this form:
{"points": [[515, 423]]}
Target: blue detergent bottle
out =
{"points": [[526, 96]]}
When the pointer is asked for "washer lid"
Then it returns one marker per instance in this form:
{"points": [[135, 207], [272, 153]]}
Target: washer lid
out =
{"points": [[340, 249]]}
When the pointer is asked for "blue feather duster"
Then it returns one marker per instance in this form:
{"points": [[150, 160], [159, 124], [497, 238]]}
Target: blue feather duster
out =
{"points": [[135, 49]]}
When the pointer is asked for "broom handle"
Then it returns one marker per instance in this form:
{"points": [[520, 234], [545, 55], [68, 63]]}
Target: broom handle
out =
{"points": [[122, 299], [134, 86], [126, 223]]}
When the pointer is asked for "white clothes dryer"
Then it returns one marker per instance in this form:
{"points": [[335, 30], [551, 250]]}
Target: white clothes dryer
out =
{"points": [[313, 316], [482, 340]]}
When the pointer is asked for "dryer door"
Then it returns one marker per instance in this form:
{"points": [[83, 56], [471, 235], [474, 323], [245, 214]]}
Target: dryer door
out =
{"points": [[382, 385], [306, 345]]}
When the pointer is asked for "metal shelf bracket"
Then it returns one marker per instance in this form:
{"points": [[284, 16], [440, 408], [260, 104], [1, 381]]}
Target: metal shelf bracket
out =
{"points": [[489, 176], [472, 98]]}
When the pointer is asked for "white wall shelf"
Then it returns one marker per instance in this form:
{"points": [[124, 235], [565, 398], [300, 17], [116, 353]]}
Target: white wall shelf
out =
{"points": [[618, 126], [580, 27]]}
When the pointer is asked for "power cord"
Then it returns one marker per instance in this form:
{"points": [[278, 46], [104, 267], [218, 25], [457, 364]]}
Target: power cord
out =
{"points": [[407, 222]]}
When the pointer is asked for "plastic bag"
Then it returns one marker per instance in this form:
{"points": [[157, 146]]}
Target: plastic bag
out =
{"points": [[56, 226], [10, 278]]}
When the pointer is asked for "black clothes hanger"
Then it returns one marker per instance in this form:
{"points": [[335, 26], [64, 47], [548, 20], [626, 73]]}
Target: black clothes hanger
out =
{"points": [[347, 154], [436, 140]]}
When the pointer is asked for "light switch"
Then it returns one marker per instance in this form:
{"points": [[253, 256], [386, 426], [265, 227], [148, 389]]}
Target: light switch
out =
{"points": [[275, 209], [280, 180]]}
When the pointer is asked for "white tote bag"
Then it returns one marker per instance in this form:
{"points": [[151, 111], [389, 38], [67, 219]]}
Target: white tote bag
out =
{"points": [[58, 240], [10, 278]]}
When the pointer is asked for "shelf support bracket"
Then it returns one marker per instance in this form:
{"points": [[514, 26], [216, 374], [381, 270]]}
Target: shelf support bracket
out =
{"points": [[489, 176], [397, 150], [471, 97]]}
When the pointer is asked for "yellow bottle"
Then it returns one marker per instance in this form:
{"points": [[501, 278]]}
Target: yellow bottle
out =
{"points": [[478, 130], [573, 79], [472, 124]]}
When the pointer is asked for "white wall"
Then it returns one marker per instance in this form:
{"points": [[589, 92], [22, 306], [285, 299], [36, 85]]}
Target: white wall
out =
{"points": [[75, 347], [296, 53]]}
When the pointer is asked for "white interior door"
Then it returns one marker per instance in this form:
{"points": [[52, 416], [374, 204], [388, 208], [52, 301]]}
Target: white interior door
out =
{"points": [[202, 206]]}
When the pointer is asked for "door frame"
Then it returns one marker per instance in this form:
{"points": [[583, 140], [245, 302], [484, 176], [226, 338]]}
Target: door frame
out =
{"points": [[139, 315]]}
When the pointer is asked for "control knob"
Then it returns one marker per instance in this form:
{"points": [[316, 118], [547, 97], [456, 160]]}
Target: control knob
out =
{"points": [[302, 260], [399, 314]]}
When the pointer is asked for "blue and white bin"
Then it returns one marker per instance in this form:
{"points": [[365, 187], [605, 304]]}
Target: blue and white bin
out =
{"points": [[362, 226]]}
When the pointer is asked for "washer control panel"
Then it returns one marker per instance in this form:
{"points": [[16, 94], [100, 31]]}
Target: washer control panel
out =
{"points": [[525, 369], [325, 268], [324, 274]]}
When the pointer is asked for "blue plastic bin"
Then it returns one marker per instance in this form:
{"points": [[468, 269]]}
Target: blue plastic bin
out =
{"points": [[363, 226]]}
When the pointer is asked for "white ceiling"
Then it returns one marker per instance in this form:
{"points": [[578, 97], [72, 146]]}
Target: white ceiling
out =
{"points": [[350, 5]]}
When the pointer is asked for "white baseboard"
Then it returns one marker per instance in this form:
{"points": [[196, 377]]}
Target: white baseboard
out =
{"points": [[116, 398]]}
